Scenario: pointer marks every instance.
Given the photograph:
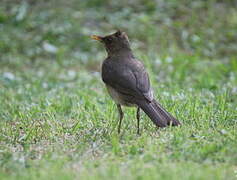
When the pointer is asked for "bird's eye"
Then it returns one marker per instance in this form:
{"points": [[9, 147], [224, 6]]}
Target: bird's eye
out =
{"points": [[109, 39]]}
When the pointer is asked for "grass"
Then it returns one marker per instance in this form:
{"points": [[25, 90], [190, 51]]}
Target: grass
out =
{"points": [[58, 122]]}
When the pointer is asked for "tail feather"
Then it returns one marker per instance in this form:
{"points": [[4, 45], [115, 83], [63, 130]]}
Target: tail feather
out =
{"points": [[171, 120], [157, 113]]}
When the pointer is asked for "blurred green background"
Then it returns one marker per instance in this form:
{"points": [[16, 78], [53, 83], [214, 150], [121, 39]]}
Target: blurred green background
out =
{"points": [[207, 28], [56, 119]]}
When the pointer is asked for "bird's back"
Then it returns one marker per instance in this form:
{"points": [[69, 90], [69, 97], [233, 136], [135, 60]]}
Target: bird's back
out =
{"points": [[128, 76]]}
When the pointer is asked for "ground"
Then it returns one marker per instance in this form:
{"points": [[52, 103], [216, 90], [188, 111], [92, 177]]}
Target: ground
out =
{"points": [[57, 120]]}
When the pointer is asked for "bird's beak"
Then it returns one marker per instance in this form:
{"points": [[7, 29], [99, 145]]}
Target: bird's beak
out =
{"points": [[98, 38]]}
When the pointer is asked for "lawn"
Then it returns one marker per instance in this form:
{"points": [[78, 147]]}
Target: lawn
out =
{"points": [[57, 120]]}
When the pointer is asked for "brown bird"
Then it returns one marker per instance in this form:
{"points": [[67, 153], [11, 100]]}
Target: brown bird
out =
{"points": [[128, 82]]}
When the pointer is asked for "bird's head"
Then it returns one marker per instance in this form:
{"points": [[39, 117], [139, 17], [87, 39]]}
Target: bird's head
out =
{"points": [[114, 43]]}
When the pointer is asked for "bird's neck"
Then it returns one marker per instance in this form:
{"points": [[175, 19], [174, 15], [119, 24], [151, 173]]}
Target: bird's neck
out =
{"points": [[122, 53]]}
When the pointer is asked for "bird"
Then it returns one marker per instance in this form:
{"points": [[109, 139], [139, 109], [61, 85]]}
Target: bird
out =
{"points": [[127, 81]]}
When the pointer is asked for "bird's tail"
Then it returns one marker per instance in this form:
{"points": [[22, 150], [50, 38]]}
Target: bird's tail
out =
{"points": [[159, 116]]}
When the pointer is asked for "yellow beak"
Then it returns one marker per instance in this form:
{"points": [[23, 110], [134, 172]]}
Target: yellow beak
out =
{"points": [[98, 38]]}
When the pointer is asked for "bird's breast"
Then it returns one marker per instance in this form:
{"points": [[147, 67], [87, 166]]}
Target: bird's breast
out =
{"points": [[118, 97]]}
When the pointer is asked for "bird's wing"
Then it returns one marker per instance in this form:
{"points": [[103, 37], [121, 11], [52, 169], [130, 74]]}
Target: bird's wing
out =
{"points": [[129, 79]]}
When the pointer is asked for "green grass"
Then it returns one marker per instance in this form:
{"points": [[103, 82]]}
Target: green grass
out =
{"points": [[57, 120]]}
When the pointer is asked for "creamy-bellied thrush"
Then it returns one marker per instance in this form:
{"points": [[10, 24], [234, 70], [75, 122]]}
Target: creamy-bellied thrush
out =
{"points": [[128, 82]]}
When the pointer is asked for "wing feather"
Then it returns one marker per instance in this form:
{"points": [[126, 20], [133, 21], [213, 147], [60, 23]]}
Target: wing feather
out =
{"points": [[129, 79]]}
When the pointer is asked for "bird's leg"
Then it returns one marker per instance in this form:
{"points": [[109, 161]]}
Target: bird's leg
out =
{"points": [[120, 116], [138, 120]]}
